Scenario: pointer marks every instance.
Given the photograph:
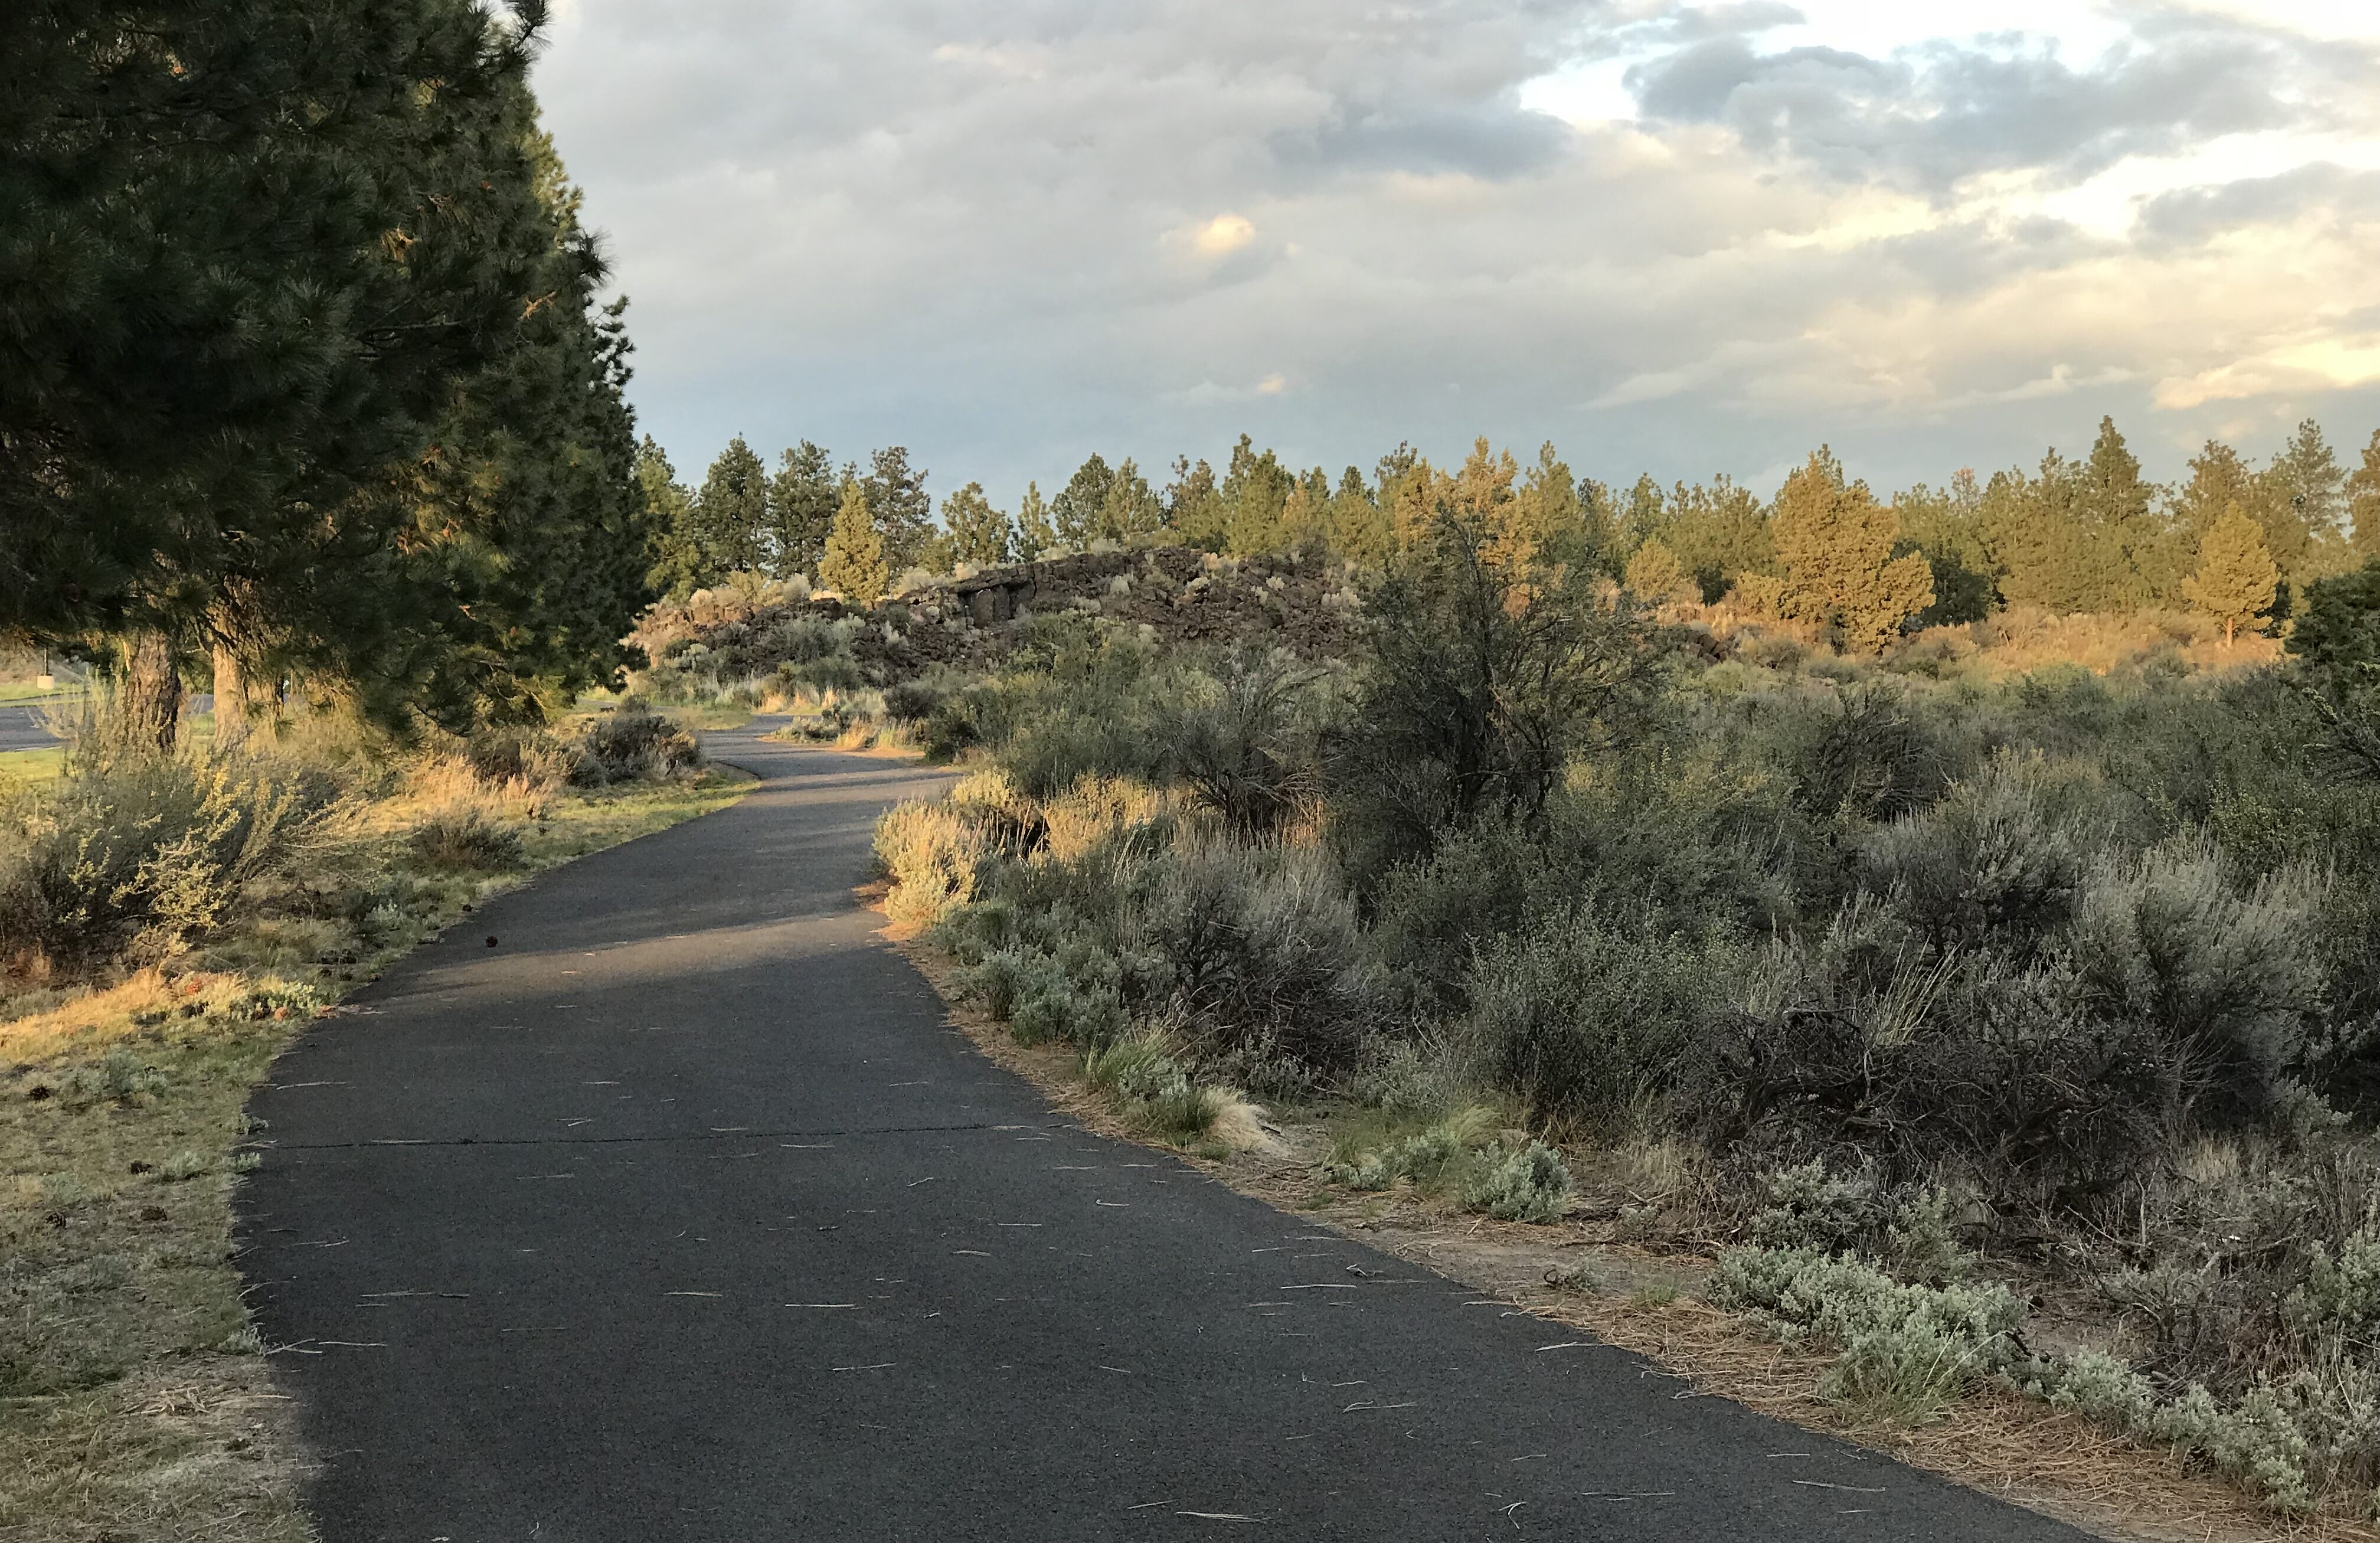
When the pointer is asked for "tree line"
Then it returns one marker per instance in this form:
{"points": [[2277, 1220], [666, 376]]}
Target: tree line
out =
{"points": [[304, 380], [2089, 535]]}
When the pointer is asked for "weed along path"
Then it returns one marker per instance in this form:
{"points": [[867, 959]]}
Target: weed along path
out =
{"points": [[678, 1212]]}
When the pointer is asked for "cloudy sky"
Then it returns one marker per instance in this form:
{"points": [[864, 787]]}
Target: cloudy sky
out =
{"points": [[1669, 236]]}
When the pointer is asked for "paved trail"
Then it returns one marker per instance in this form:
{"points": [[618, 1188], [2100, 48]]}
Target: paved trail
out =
{"points": [[22, 727], [680, 1214]]}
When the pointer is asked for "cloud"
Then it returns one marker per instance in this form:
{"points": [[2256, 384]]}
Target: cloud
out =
{"points": [[1225, 233], [1012, 231]]}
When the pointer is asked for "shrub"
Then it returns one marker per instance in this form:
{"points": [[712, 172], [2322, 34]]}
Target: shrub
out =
{"points": [[120, 1077], [131, 854], [1908, 1349], [1527, 1183], [1584, 1022], [1982, 866], [1429, 1157], [523, 758], [465, 839], [2209, 990], [629, 743], [1248, 747], [1261, 944], [1481, 684], [1155, 1090]]}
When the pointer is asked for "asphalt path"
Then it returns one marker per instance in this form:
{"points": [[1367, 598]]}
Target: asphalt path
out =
{"points": [[21, 728], [679, 1212]]}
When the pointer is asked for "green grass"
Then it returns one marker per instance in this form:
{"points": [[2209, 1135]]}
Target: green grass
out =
{"points": [[134, 1401], [20, 767]]}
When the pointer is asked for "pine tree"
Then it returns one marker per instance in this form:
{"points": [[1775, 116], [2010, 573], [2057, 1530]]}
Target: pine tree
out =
{"points": [[1835, 546], [1255, 491], [979, 533], [730, 519], [905, 511], [2363, 501], [2121, 539], [1543, 525], [803, 497], [1358, 531], [1718, 532], [854, 565], [1131, 509], [1080, 507], [2307, 480], [233, 324], [1194, 509], [1037, 538], [2236, 577]]}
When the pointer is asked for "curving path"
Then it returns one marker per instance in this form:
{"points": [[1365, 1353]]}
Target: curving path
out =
{"points": [[680, 1213]]}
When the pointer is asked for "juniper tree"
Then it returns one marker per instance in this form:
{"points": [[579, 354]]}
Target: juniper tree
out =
{"points": [[1835, 551], [979, 533], [2236, 577], [854, 563]]}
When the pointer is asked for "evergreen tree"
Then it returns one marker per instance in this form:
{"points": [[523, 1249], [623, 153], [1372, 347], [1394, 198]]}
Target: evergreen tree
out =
{"points": [[249, 254], [1037, 538], [1545, 517], [2306, 479], [730, 519], [2122, 542], [1255, 491], [1194, 508], [2235, 574], [2363, 501], [1835, 546], [979, 533], [905, 511], [2336, 642], [1656, 577], [1133, 510], [1358, 532], [550, 533], [1719, 532], [1080, 509], [854, 565], [679, 568], [1306, 518], [2040, 536], [1946, 528], [803, 498]]}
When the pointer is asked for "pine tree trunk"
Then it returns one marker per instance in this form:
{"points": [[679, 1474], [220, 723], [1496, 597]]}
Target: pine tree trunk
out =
{"points": [[152, 690], [231, 701]]}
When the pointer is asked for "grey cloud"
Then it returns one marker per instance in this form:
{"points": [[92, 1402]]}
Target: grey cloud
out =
{"points": [[1928, 117], [2191, 216]]}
